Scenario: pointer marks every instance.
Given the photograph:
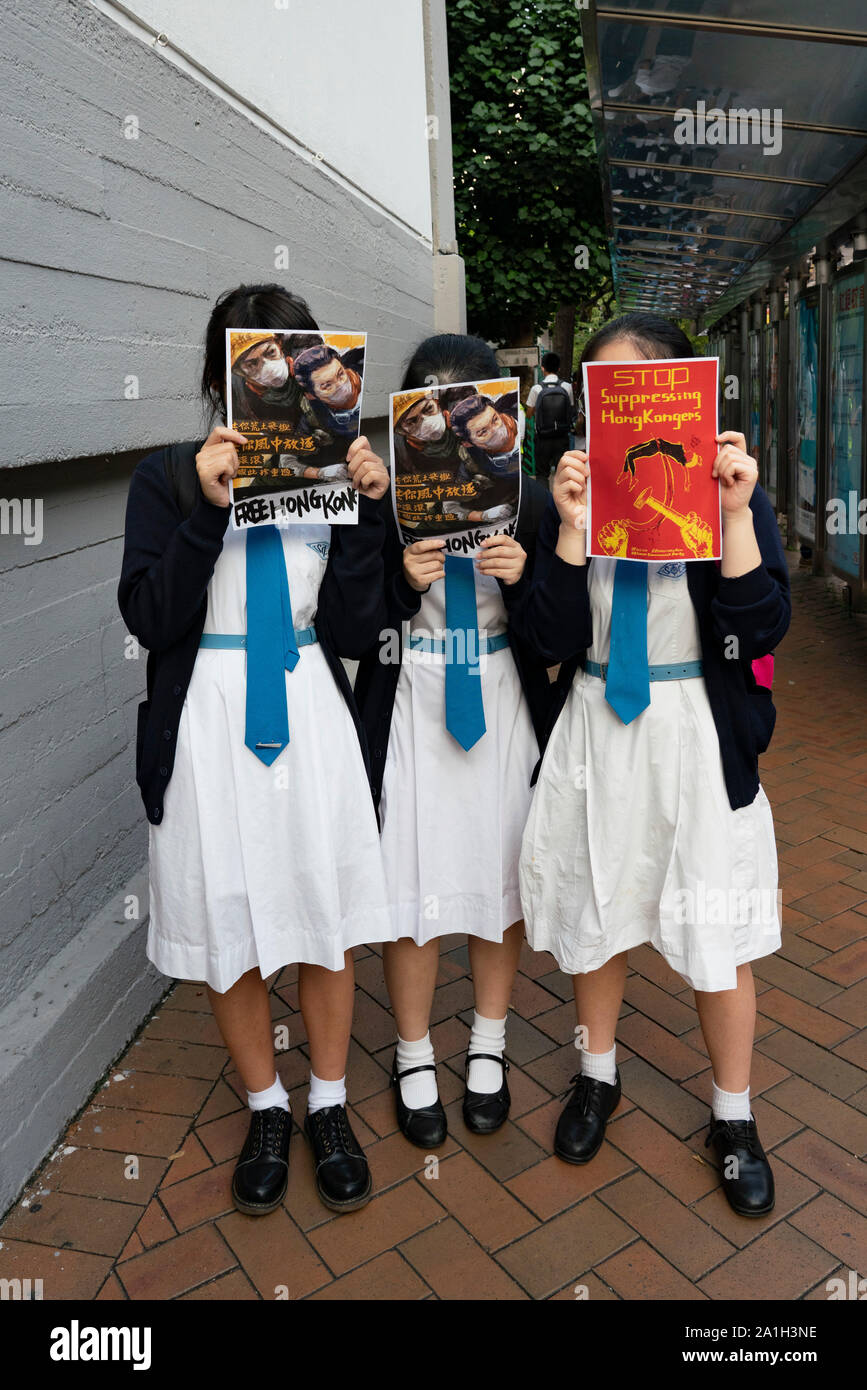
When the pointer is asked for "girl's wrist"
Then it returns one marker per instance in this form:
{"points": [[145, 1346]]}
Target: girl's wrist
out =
{"points": [[742, 518], [572, 545]]}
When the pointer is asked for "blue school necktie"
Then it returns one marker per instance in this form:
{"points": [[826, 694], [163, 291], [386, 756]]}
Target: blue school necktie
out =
{"points": [[465, 712], [271, 645], [627, 686]]}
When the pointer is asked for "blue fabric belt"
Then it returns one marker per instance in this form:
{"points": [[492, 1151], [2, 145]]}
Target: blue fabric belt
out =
{"points": [[681, 671], [436, 644], [232, 641]]}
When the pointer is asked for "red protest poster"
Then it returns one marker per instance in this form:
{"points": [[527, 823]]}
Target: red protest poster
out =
{"points": [[651, 430]]}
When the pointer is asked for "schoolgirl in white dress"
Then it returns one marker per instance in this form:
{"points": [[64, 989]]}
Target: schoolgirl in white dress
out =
{"points": [[452, 817], [259, 860], [656, 830], [243, 867]]}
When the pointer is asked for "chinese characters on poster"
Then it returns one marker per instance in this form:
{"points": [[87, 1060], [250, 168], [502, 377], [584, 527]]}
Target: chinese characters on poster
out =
{"points": [[296, 396], [456, 462]]}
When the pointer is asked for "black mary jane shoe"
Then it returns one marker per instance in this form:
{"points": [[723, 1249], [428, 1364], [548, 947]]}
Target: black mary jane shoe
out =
{"points": [[262, 1173], [581, 1126], [342, 1175], [426, 1127], [485, 1111], [747, 1180]]}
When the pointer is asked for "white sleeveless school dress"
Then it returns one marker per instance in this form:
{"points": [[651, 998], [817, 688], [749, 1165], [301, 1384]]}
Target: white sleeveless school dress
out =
{"points": [[452, 820], [254, 865], [631, 837]]}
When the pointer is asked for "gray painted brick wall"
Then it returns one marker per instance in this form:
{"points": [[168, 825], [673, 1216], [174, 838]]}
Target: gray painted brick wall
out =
{"points": [[113, 249], [71, 828], [111, 252]]}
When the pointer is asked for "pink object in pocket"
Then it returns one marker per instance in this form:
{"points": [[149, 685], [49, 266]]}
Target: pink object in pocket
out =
{"points": [[763, 670]]}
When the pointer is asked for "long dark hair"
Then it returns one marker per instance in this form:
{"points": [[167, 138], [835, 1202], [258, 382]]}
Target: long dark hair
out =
{"points": [[449, 357], [248, 306], [648, 333]]}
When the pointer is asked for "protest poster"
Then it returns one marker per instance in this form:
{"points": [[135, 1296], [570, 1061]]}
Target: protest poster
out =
{"points": [[456, 462], [651, 443], [296, 396]]}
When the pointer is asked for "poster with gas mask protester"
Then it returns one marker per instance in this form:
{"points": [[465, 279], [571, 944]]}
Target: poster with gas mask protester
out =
{"points": [[456, 462], [296, 396]]}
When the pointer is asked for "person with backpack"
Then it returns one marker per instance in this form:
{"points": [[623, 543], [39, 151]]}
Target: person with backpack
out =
{"points": [[453, 761], [263, 841], [551, 407]]}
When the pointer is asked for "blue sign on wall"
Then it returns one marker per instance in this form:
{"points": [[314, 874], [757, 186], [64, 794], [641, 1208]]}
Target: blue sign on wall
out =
{"points": [[847, 404]]}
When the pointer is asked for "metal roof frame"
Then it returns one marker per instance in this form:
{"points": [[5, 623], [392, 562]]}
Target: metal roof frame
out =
{"points": [[836, 202]]}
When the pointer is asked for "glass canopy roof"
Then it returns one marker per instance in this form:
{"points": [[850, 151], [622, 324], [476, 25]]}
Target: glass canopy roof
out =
{"points": [[732, 136]]}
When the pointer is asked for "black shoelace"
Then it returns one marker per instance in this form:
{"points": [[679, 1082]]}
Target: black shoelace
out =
{"points": [[742, 1134], [332, 1130], [585, 1094], [268, 1127]]}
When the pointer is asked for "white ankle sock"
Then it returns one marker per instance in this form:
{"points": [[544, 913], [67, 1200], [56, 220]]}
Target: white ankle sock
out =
{"points": [[487, 1035], [730, 1105], [600, 1065], [418, 1090], [325, 1093], [275, 1094]]}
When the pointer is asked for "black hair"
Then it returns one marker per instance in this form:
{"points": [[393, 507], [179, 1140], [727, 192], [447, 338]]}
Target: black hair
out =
{"points": [[248, 306], [551, 362], [649, 333], [450, 357]]}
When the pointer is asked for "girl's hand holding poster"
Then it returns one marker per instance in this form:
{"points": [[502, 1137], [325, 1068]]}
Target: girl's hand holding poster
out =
{"points": [[456, 462], [651, 442], [296, 395]]}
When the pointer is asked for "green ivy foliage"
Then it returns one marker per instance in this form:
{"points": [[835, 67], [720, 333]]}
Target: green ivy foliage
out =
{"points": [[527, 182]]}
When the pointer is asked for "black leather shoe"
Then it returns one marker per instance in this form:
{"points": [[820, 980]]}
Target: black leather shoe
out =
{"points": [[747, 1180], [485, 1111], [342, 1174], [581, 1126], [426, 1127], [262, 1174]]}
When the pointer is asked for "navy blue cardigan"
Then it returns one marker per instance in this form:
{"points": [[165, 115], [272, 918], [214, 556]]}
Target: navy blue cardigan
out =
{"points": [[376, 682], [553, 615], [168, 561]]}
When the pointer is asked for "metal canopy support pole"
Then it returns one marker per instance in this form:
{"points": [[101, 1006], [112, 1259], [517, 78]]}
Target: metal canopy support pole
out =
{"points": [[792, 431], [736, 370], [824, 270], [725, 366], [744, 375], [778, 395], [757, 327], [859, 246]]}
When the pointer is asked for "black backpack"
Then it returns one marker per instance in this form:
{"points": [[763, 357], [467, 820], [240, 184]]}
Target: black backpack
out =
{"points": [[553, 414]]}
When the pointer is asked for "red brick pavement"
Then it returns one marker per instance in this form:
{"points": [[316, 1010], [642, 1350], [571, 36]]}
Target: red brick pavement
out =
{"points": [[499, 1217]]}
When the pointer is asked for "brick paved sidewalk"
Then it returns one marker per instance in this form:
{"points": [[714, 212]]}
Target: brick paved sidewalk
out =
{"points": [[503, 1218]]}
